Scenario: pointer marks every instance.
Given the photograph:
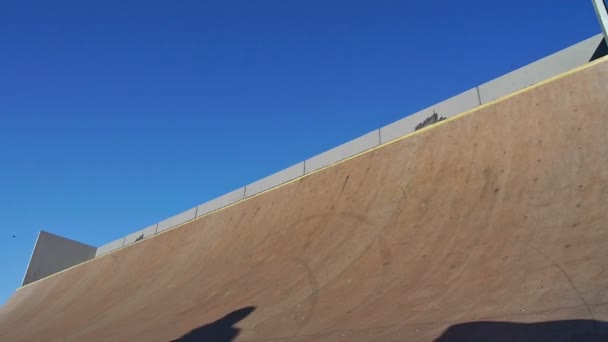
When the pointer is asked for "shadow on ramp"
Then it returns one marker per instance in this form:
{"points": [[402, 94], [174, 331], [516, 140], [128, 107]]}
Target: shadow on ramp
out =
{"points": [[222, 330], [551, 331]]}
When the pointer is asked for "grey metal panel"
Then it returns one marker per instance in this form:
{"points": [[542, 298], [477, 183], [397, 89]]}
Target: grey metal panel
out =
{"points": [[178, 219], [402, 127], [540, 70], [448, 108], [343, 151], [602, 15], [458, 104], [107, 248], [220, 202], [275, 179], [53, 253], [140, 234]]}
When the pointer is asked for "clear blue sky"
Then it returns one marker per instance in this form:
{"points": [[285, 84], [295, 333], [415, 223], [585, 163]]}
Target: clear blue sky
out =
{"points": [[117, 114]]}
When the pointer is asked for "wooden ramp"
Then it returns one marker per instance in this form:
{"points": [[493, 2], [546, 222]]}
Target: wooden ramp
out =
{"points": [[489, 226]]}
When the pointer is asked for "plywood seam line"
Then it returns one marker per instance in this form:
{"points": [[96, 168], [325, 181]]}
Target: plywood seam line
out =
{"points": [[406, 136]]}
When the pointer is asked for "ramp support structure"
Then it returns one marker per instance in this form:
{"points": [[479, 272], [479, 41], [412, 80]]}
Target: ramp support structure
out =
{"points": [[602, 15], [53, 253]]}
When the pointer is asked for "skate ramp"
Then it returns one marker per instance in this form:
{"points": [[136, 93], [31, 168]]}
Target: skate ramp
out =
{"points": [[492, 225]]}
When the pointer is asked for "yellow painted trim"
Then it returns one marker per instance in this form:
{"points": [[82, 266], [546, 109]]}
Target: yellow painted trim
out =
{"points": [[443, 122]]}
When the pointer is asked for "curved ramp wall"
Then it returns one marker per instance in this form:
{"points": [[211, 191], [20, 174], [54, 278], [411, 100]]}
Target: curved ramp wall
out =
{"points": [[498, 214], [529, 75]]}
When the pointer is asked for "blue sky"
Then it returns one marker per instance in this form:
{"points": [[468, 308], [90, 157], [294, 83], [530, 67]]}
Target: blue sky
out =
{"points": [[117, 114]]}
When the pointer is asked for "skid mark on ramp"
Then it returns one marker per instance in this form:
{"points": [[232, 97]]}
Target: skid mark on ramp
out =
{"points": [[313, 298], [563, 272]]}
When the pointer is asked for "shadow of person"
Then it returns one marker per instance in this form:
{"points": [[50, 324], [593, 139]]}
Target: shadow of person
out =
{"points": [[550, 331], [222, 330]]}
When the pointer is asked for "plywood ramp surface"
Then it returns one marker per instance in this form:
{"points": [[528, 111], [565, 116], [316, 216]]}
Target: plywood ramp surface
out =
{"points": [[499, 215]]}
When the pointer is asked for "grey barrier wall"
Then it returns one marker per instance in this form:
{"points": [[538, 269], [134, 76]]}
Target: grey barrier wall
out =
{"points": [[220, 202], [140, 235], [540, 70], [107, 248], [448, 108], [349, 149], [526, 76], [178, 219], [53, 253], [275, 179]]}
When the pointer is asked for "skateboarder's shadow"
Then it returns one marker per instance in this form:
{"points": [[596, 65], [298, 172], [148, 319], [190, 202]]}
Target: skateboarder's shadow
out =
{"points": [[549, 331], [222, 330]]}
